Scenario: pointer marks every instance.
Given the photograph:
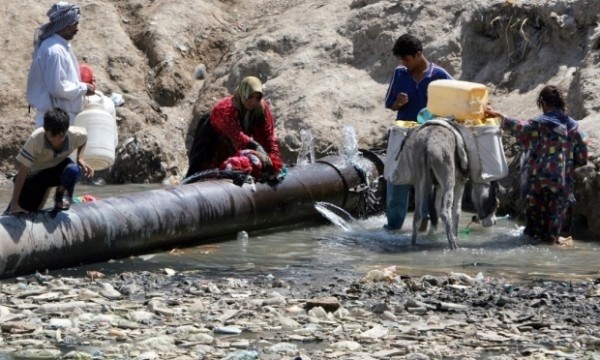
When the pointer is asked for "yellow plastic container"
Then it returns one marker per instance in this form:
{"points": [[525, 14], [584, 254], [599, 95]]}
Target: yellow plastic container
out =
{"points": [[495, 121], [406, 123], [461, 100]]}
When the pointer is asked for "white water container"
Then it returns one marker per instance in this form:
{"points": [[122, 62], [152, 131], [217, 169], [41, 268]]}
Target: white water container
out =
{"points": [[109, 105], [461, 100], [100, 98], [491, 152], [396, 168], [102, 134], [483, 142]]}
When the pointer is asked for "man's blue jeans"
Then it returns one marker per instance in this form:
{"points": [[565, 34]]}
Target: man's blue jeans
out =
{"points": [[396, 202]]}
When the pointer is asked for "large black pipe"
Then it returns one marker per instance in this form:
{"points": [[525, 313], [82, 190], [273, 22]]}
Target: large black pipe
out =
{"points": [[139, 223]]}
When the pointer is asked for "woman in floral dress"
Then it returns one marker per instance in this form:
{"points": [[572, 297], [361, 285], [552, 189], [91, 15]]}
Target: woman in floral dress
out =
{"points": [[553, 146]]}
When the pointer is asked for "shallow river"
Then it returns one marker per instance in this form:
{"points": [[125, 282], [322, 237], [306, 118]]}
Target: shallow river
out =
{"points": [[358, 246]]}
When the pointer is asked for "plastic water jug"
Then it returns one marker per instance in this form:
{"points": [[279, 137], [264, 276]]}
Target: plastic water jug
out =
{"points": [[100, 98], [461, 100], [102, 135], [108, 104], [483, 142], [394, 170]]}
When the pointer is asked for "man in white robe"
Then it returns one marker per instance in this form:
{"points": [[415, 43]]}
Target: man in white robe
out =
{"points": [[54, 80]]}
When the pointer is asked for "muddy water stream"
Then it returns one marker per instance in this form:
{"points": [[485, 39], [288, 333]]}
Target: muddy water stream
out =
{"points": [[358, 246]]}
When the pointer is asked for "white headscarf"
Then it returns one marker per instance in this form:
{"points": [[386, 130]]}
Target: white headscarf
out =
{"points": [[61, 15]]}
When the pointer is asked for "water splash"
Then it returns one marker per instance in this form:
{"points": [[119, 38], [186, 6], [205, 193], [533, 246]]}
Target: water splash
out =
{"points": [[336, 215], [349, 150], [306, 155], [349, 146], [242, 237], [369, 187]]}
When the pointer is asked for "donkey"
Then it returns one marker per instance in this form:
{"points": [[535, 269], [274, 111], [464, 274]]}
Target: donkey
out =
{"points": [[439, 159]]}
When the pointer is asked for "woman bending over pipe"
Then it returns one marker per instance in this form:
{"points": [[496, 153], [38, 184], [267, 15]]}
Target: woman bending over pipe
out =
{"points": [[239, 135]]}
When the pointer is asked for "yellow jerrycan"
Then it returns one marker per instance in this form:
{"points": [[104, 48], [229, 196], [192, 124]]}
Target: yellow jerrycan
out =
{"points": [[461, 100]]}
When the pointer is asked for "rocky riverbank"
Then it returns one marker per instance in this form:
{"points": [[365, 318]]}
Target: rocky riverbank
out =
{"points": [[378, 315]]}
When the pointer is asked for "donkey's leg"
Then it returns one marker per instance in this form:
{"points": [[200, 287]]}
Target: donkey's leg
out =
{"points": [[446, 215], [447, 181], [437, 204], [459, 189], [419, 195]]}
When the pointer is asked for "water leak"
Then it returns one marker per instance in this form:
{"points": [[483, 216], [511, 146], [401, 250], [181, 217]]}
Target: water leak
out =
{"points": [[306, 155], [336, 215], [349, 145]]}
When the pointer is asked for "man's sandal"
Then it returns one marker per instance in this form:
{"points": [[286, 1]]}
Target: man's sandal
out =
{"points": [[62, 202]]}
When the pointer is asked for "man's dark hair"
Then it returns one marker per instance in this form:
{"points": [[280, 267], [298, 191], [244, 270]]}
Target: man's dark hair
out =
{"points": [[56, 121], [407, 45]]}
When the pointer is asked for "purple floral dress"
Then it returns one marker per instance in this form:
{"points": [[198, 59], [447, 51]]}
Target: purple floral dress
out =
{"points": [[553, 146]]}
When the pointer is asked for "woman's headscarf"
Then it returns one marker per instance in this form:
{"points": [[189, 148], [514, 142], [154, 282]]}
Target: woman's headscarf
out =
{"points": [[61, 15], [247, 87], [560, 122]]}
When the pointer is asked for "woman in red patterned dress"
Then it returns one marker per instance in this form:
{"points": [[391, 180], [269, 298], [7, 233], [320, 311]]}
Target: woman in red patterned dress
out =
{"points": [[245, 128]]}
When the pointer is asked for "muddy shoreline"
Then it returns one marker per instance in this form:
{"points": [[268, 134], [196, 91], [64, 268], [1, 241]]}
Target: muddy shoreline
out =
{"points": [[382, 314]]}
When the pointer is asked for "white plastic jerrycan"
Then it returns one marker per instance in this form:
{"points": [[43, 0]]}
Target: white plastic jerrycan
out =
{"points": [[101, 127]]}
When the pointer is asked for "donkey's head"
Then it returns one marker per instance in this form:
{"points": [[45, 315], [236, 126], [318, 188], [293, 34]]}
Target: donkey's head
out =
{"points": [[484, 197]]}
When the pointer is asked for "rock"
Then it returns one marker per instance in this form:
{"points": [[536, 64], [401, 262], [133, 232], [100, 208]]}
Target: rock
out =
{"points": [[288, 323], [200, 72], [77, 355], [18, 327], [387, 315], [286, 348], [451, 307], [156, 306], [243, 355], [58, 308], [329, 304], [141, 316], [227, 330], [375, 332], [318, 313], [109, 292], [57, 323], [37, 354], [346, 346]]}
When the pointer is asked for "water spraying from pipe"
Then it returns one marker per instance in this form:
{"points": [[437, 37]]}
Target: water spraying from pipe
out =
{"points": [[336, 215], [306, 155]]}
